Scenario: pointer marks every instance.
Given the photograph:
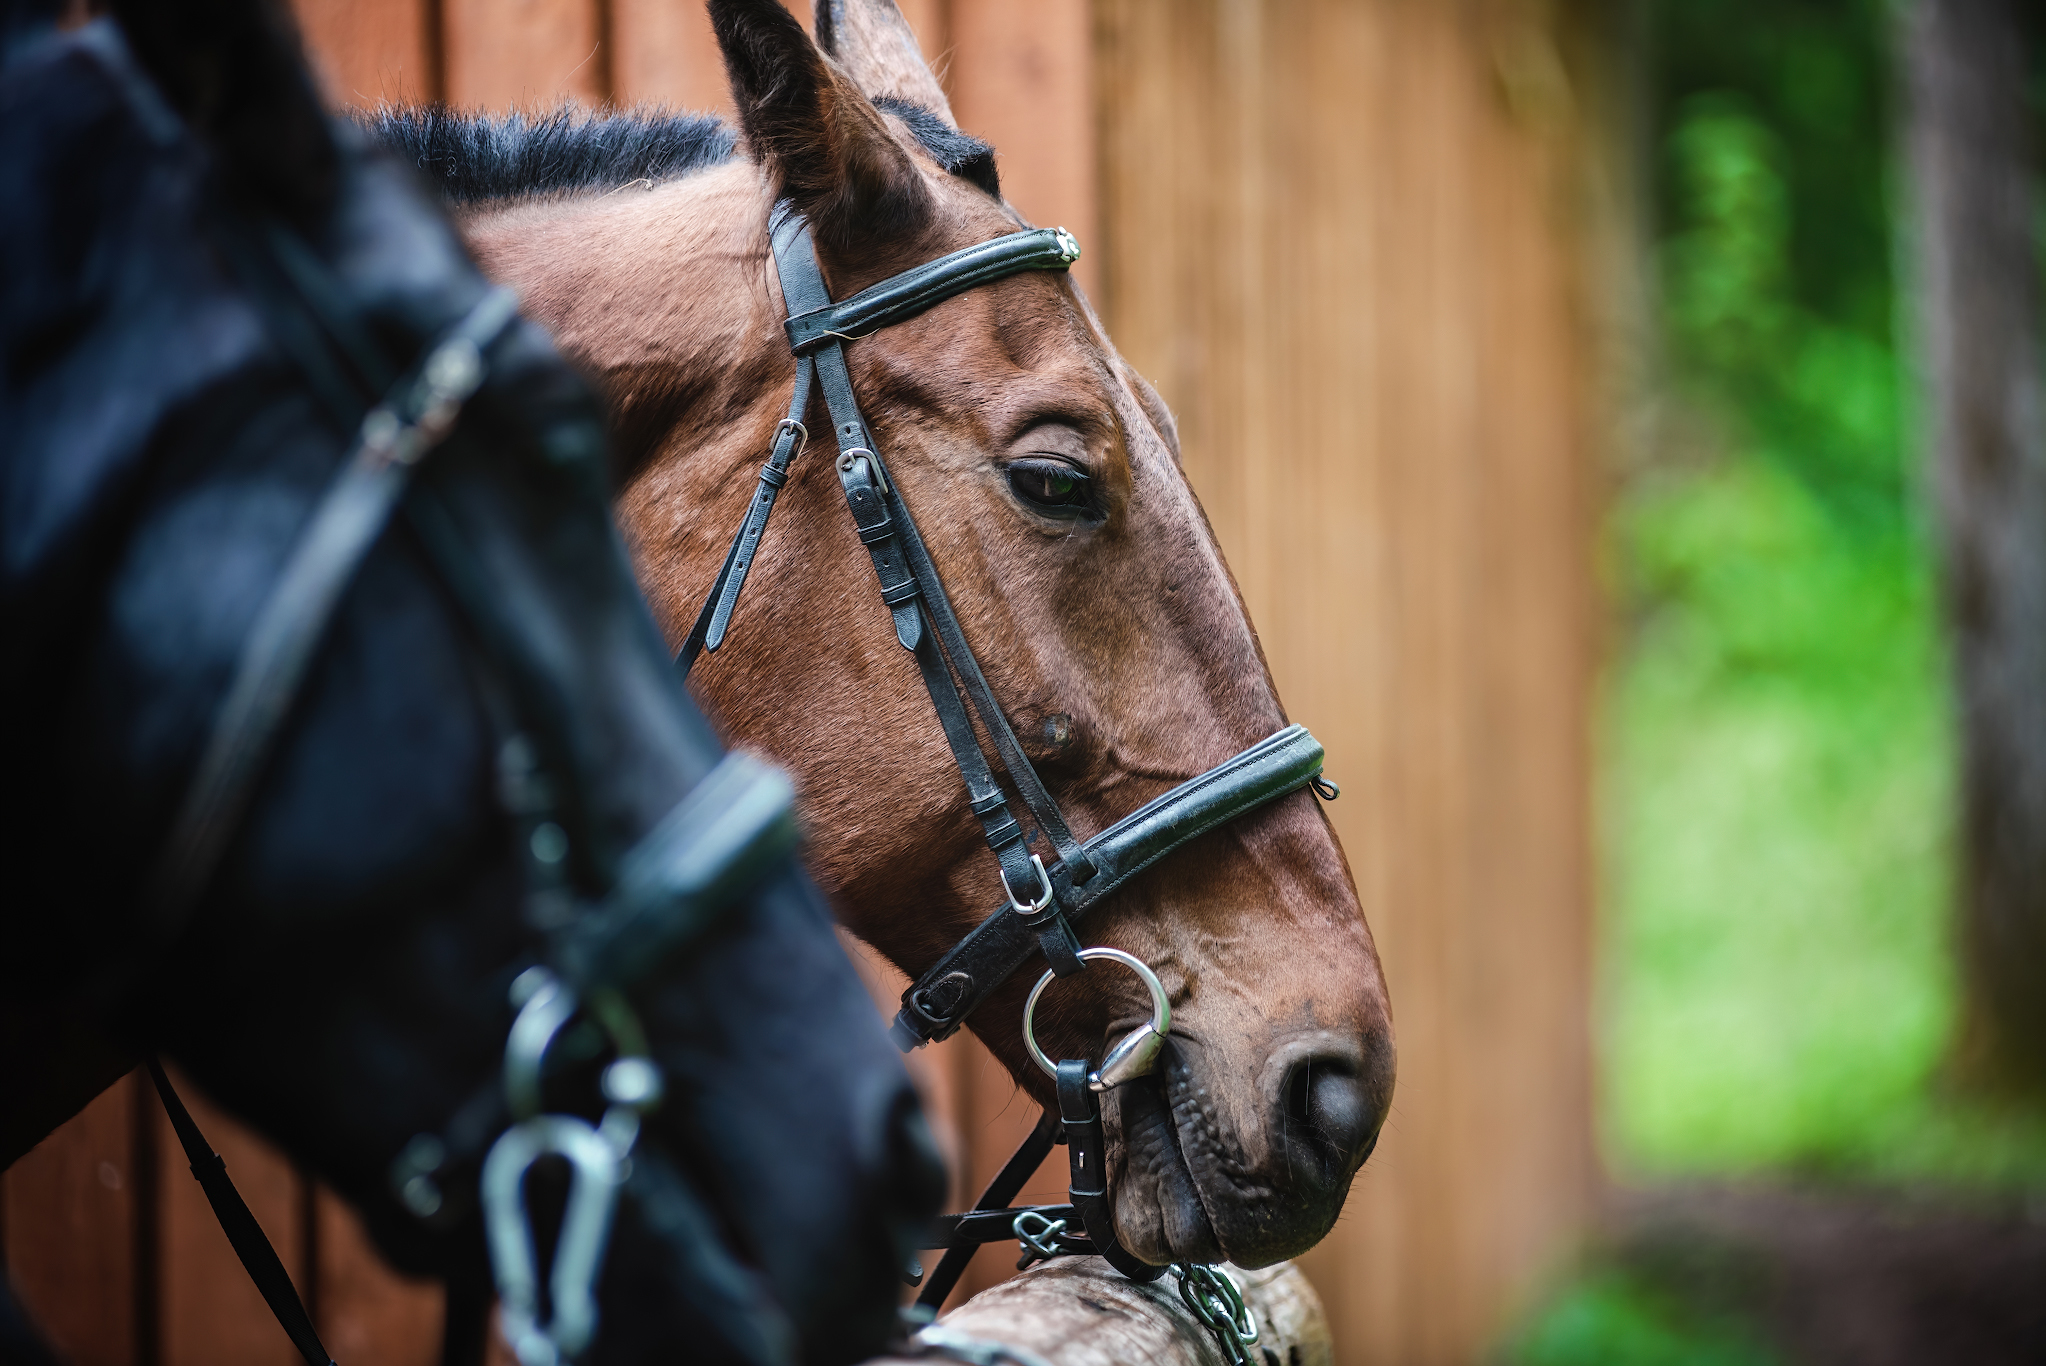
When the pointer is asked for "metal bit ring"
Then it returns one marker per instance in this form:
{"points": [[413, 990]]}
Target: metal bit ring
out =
{"points": [[1135, 1055]]}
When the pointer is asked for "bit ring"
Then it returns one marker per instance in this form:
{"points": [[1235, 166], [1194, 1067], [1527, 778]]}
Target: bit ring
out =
{"points": [[1136, 1054]]}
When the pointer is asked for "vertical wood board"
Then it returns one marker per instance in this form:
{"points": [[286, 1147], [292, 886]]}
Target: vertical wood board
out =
{"points": [[1340, 253], [71, 1223]]}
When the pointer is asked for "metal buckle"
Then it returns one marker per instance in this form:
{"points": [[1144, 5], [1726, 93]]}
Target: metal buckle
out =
{"points": [[1043, 886], [847, 457], [1135, 1055]]}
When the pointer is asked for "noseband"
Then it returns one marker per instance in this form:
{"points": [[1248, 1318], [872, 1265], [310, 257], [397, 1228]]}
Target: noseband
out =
{"points": [[1040, 902]]}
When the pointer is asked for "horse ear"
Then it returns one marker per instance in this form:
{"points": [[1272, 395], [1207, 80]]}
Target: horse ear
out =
{"points": [[873, 42], [823, 144]]}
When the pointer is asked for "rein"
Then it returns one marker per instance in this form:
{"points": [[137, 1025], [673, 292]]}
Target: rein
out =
{"points": [[1040, 902]]}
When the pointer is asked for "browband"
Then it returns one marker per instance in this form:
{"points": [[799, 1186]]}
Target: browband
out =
{"points": [[938, 1002], [1042, 901], [901, 297]]}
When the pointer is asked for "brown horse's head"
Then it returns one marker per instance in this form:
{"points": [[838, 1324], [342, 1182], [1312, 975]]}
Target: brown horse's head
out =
{"points": [[1045, 475]]}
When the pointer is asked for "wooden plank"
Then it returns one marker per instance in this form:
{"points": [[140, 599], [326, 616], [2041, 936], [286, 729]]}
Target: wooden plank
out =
{"points": [[524, 54], [1344, 263], [664, 53], [369, 52], [1021, 76], [70, 1231], [366, 1312], [212, 1313]]}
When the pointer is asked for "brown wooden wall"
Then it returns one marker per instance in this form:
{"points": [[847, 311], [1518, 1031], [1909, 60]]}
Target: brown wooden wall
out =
{"points": [[1345, 239], [1338, 237]]}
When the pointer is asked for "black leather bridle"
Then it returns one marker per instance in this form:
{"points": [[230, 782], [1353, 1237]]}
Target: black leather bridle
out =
{"points": [[676, 883], [1041, 902]]}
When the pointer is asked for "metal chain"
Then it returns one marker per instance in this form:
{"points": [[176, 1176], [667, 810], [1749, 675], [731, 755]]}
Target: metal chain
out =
{"points": [[1211, 1296]]}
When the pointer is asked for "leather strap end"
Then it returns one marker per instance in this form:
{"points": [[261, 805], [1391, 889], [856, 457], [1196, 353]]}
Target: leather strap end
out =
{"points": [[909, 625], [903, 1034]]}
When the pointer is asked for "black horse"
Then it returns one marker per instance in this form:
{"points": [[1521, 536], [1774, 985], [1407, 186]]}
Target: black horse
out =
{"points": [[207, 286]]}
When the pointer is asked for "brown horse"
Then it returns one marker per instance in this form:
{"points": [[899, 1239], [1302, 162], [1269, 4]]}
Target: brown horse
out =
{"points": [[1045, 474]]}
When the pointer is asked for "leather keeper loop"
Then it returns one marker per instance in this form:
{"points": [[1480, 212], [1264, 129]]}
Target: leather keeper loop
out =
{"points": [[895, 594], [773, 477], [1061, 949], [879, 531], [990, 802], [1004, 834], [1038, 920]]}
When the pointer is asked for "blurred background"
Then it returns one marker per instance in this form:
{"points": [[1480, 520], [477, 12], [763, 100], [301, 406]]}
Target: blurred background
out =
{"points": [[1624, 420]]}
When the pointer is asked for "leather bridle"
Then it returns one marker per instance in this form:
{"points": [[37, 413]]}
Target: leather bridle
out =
{"points": [[672, 887], [1041, 901]]}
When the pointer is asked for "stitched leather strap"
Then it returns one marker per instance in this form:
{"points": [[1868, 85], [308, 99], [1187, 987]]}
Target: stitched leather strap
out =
{"points": [[803, 288], [394, 437], [940, 1001], [908, 581], [715, 619], [903, 296], [674, 884]]}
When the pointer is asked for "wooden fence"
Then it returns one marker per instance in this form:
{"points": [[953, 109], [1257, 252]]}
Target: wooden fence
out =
{"points": [[1346, 239]]}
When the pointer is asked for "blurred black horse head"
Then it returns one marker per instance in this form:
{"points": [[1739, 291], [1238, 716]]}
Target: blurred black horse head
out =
{"points": [[207, 286]]}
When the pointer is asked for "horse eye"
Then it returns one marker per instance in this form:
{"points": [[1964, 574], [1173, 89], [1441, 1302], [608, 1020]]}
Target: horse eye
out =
{"points": [[1050, 486]]}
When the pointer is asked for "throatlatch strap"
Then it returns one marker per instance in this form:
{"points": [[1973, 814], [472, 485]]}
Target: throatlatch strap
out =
{"points": [[715, 619], [250, 1243]]}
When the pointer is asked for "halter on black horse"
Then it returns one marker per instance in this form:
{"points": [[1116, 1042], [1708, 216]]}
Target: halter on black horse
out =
{"points": [[1042, 902], [720, 840], [504, 511]]}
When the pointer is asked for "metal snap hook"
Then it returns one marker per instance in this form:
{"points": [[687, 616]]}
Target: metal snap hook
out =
{"points": [[1136, 1054]]}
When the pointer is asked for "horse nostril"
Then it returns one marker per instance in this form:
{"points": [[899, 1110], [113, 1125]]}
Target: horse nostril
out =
{"points": [[1326, 1108], [1300, 1093]]}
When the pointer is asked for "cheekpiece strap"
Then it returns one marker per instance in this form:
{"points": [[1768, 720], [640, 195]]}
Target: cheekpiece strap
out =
{"points": [[394, 437], [910, 588]]}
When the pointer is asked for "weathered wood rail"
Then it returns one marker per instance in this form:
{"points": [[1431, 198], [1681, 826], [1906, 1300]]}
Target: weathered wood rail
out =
{"points": [[1080, 1312]]}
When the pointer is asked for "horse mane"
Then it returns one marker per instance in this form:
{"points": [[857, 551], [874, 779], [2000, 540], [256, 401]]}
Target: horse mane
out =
{"points": [[473, 157]]}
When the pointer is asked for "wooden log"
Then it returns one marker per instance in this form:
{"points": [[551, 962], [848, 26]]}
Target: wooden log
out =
{"points": [[1078, 1312]]}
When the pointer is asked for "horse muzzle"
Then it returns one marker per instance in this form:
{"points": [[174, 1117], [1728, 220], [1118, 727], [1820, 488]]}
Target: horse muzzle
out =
{"points": [[1205, 1168]]}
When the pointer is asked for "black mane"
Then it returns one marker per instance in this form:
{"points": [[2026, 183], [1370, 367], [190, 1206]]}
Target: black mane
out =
{"points": [[474, 157]]}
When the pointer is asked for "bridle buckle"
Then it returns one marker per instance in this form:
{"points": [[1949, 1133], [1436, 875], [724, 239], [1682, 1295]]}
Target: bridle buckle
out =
{"points": [[1044, 892]]}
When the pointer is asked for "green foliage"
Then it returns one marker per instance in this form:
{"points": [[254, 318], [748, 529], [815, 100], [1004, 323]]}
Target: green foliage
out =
{"points": [[1615, 1317], [1779, 992]]}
